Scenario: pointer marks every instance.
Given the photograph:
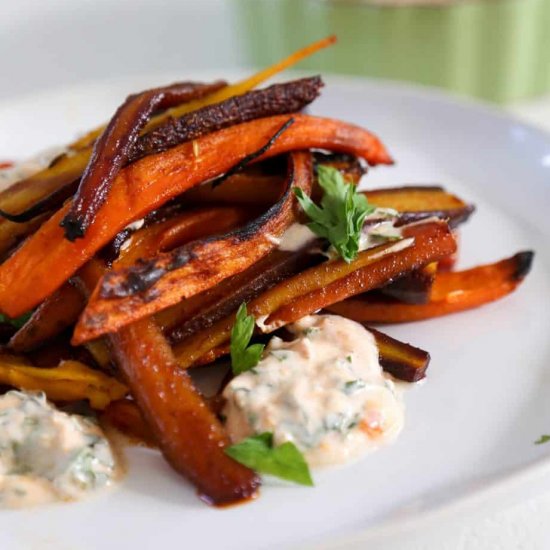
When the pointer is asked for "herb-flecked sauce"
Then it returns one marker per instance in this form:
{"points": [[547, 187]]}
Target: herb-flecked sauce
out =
{"points": [[325, 391]]}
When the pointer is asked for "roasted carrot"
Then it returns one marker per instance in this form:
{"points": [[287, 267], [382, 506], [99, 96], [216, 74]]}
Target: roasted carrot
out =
{"points": [[222, 94], [180, 229], [46, 260], [69, 381], [260, 187], [431, 241], [189, 435], [69, 168], [203, 310], [418, 202], [58, 312], [112, 150], [125, 416], [326, 283], [413, 288], [401, 360], [123, 296], [451, 292]]}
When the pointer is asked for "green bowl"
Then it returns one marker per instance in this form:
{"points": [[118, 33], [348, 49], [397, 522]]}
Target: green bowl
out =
{"points": [[498, 50]]}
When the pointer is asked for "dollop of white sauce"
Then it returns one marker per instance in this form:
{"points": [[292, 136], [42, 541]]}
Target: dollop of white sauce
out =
{"points": [[47, 455], [27, 168], [295, 237], [325, 391]]}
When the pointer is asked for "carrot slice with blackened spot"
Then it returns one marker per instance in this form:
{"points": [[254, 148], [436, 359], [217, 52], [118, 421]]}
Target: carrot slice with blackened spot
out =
{"points": [[46, 260], [112, 150], [191, 438], [451, 292], [143, 289]]}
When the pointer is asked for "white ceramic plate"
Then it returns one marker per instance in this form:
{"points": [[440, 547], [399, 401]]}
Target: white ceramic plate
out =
{"points": [[470, 427]]}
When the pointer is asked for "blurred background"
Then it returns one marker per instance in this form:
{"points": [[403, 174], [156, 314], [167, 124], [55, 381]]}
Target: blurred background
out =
{"points": [[496, 50]]}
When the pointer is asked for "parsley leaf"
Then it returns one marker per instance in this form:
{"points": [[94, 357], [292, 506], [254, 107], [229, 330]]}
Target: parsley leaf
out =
{"points": [[284, 461], [542, 439], [340, 216], [18, 322], [243, 356]]}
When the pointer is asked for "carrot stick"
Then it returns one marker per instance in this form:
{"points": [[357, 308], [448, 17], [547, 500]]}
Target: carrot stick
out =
{"points": [[161, 281], [452, 292], [47, 260], [325, 284]]}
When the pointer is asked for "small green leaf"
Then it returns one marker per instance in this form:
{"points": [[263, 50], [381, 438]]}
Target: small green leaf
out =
{"points": [[542, 439], [243, 356], [354, 385], [285, 461], [341, 215], [18, 322]]}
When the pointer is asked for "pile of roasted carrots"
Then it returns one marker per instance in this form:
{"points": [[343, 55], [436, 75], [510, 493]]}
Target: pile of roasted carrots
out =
{"points": [[133, 250]]}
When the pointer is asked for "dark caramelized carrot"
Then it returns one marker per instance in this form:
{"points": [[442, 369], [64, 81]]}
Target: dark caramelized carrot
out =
{"points": [[112, 150], [145, 288], [191, 438], [401, 360], [452, 292], [324, 284], [46, 260], [373, 268], [58, 312]]}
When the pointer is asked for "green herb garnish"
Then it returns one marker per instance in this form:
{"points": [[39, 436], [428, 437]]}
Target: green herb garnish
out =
{"points": [[284, 461], [243, 356], [542, 439], [354, 385], [340, 216], [18, 322]]}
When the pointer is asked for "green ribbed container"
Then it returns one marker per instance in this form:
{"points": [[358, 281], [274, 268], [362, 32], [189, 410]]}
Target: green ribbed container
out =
{"points": [[498, 50]]}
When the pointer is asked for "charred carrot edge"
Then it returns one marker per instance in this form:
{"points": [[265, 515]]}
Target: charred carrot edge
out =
{"points": [[401, 360], [229, 91], [160, 282], [113, 148], [203, 310], [325, 284], [431, 241], [414, 287], [58, 312], [452, 292], [46, 260], [189, 435]]}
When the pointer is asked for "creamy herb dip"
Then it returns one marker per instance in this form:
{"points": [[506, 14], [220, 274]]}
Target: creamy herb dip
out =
{"points": [[325, 391], [47, 455], [27, 168]]}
